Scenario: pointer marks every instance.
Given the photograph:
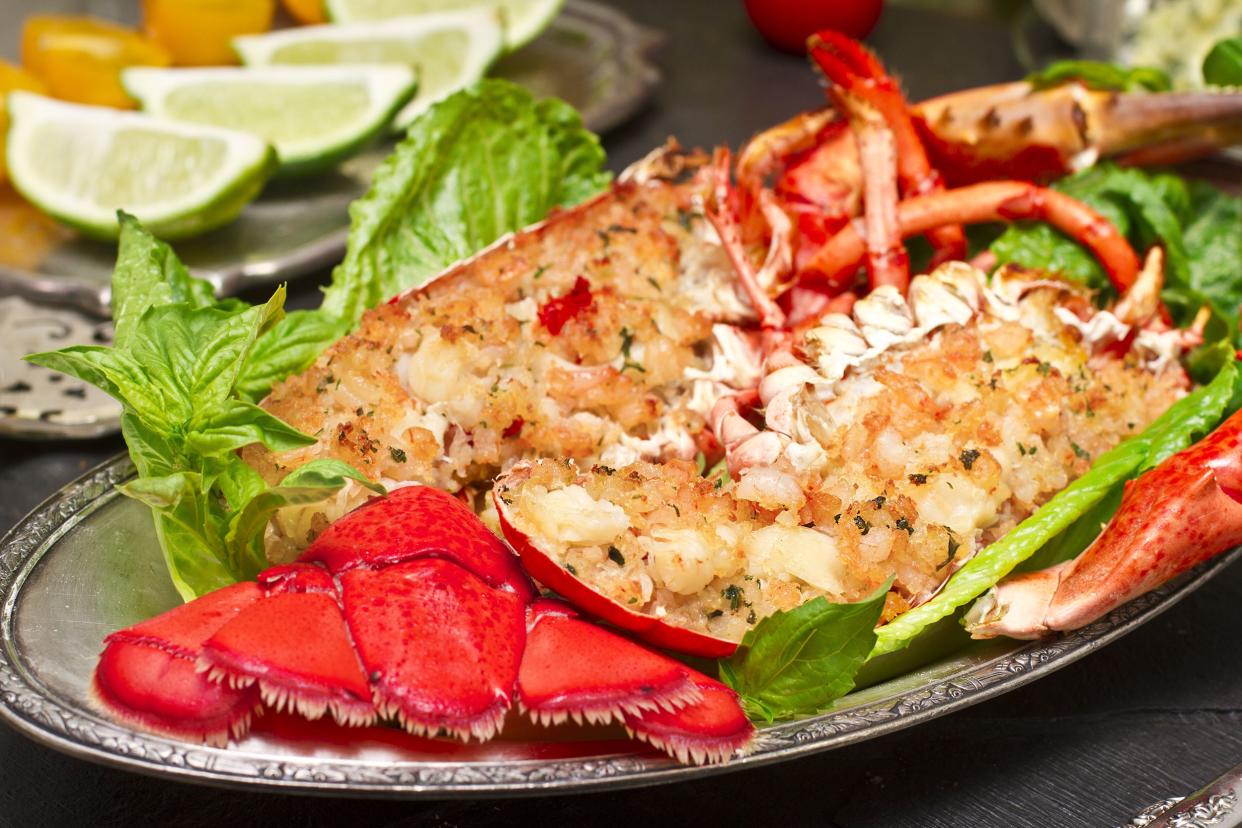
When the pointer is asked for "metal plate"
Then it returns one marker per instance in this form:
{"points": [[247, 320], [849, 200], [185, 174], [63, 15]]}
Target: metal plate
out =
{"points": [[86, 562], [592, 56]]}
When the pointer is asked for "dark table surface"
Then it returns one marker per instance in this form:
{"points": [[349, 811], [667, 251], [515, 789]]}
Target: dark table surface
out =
{"points": [[1156, 714]]}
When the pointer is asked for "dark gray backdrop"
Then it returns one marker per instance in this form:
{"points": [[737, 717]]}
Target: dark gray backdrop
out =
{"points": [[1154, 715]]}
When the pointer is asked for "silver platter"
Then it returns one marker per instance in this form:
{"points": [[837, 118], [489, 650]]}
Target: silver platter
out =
{"points": [[86, 562]]}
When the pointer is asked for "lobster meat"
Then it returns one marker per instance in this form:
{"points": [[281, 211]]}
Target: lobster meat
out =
{"points": [[407, 609], [896, 441]]}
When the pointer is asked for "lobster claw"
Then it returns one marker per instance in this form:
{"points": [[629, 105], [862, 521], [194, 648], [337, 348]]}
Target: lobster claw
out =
{"points": [[1172, 518], [1014, 130]]}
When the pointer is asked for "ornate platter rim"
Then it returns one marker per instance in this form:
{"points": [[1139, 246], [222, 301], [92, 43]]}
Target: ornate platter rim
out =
{"points": [[39, 714]]}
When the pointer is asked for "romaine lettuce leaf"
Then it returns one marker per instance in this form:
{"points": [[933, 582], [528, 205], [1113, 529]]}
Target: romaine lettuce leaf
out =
{"points": [[1099, 75], [1185, 421], [481, 163]]}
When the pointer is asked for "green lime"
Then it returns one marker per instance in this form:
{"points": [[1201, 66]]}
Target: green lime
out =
{"points": [[315, 116], [523, 19], [448, 51], [83, 163]]}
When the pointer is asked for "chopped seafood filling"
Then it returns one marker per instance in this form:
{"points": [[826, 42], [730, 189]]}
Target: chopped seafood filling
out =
{"points": [[578, 338], [901, 465]]}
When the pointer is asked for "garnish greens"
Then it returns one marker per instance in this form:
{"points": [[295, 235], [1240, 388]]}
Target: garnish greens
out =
{"points": [[1199, 227], [797, 663], [1107, 77], [1223, 64], [175, 367], [484, 162], [188, 369]]}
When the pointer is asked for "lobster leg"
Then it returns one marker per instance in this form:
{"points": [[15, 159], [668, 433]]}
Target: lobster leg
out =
{"points": [[854, 69], [837, 261], [887, 260], [1014, 130], [723, 215], [1174, 517]]}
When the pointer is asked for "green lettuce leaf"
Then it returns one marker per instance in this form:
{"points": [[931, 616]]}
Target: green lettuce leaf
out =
{"points": [[1223, 64], [1105, 76], [797, 663], [483, 162], [1199, 227], [1185, 421]]}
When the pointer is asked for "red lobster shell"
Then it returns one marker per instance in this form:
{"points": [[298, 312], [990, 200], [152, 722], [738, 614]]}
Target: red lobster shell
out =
{"points": [[409, 609]]}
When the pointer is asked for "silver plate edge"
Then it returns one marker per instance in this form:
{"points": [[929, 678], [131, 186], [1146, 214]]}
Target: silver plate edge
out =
{"points": [[37, 714], [632, 43]]}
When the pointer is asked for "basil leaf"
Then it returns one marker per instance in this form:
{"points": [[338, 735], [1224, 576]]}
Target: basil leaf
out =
{"points": [[483, 162], [1188, 418], [1103, 76], [115, 373], [796, 663], [235, 424], [196, 354], [1223, 64], [176, 371], [290, 346], [148, 273], [313, 482]]}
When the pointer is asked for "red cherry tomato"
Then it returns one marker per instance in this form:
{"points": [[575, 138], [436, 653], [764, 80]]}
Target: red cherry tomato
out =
{"points": [[786, 24]]}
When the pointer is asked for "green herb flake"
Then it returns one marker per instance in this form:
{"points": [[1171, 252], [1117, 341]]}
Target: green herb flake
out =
{"points": [[398, 455]]}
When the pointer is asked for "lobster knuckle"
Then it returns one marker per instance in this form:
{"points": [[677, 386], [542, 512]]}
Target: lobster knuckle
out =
{"points": [[1171, 519]]}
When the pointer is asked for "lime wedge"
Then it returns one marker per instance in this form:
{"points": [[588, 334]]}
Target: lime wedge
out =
{"points": [[83, 163], [523, 19], [448, 51], [315, 116]]}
